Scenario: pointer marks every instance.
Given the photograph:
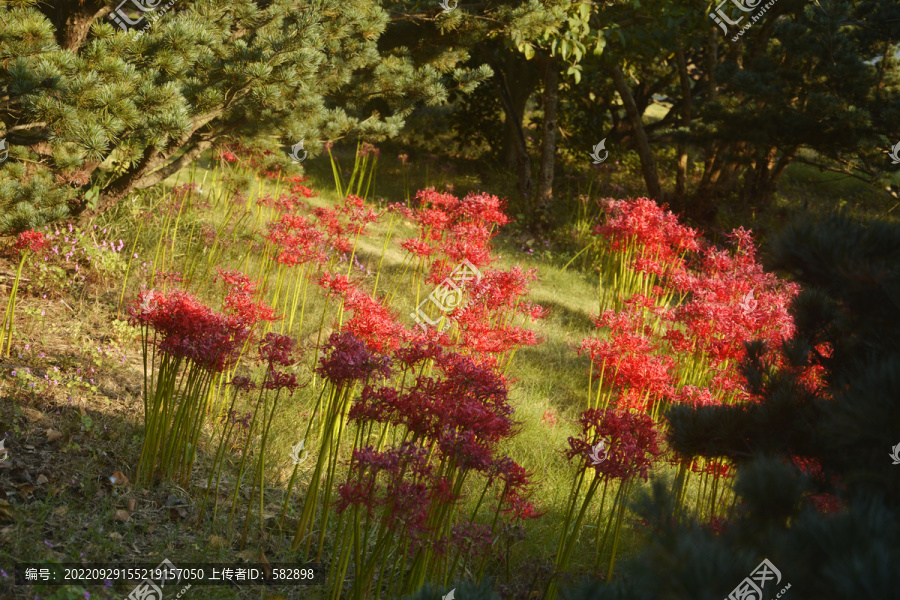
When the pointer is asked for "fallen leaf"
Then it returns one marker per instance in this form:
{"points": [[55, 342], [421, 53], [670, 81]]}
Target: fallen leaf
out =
{"points": [[53, 435], [42, 479], [118, 478], [131, 505], [261, 559], [6, 513], [24, 489], [115, 535], [247, 555], [122, 515]]}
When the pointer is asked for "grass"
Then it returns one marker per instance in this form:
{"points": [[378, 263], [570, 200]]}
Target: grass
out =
{"points": [[66, 440]]}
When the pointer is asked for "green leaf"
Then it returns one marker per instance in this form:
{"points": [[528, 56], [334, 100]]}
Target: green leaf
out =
{"points": [[529, 51]]}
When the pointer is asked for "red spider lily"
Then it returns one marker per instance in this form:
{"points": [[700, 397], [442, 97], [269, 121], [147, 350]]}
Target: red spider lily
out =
{"points": [[358, 214], [520, 508], [239, 302], [632, 443], [417, 247], [657, 232], [335, 230], [31, 240], [277, 349], [243, 384], [549, 418], [374, 404], [431, 197], [298, 240], [696, 397], [483, 338], [409, 492], [417, 352], [827, 504], [483, 207], [347, 359], [366, 148], [514, 477], [468, 241], [464, 450], [335, 284], [372, 322], [279, 380], [470, 538], [226, 156], [464, 410], [302, 190], [191, 330]]}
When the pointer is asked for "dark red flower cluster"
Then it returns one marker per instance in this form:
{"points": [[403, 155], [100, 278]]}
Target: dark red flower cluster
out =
{"points": [[346, 358], [631, 443], [276, 349], [185, 191], [409, 490], [31, 240], [242, 384]]}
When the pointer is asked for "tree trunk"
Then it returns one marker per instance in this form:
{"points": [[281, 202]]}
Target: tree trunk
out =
{"points": [[520, 83], [523, 160], [548, 147], [712, 61], [761, 187], [73, 20], [681, 173], [648, 163]]}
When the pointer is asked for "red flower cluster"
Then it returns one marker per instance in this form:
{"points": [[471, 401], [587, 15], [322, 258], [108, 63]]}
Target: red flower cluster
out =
{"points": [[347, 359], [728, 300], [31, 240], [657, 233], [631, 438], [296, 239], [238, 302], [190, 330]]}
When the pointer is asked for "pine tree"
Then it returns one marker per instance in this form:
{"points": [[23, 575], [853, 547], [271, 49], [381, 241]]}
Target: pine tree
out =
{"points": [[92, 107], [845, 429]]}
